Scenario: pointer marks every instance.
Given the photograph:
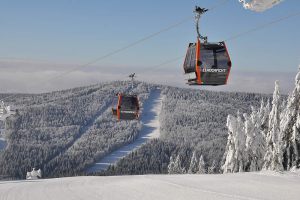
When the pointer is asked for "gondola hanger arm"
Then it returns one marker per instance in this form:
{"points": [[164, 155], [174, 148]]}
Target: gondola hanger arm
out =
{"points": [[198, 12]]}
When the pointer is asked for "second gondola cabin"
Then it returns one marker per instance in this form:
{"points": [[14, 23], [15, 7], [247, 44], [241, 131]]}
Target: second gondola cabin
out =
{"points": [[207, 63], [127, 107]]}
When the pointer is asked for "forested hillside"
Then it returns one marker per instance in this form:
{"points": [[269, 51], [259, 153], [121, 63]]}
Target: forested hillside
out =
{"points": [[63, 132], [197, 118], [191, 121]]}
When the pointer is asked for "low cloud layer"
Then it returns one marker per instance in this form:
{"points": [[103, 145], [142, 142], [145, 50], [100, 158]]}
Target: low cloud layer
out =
{"points": [[259, 5], [30, 77]]}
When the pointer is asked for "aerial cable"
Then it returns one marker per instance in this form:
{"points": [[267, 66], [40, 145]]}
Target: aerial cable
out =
{"points": [[262, 26]]}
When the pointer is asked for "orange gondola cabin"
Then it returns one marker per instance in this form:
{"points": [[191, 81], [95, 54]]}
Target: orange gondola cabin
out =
{"points": [[127, 107], [206, 63]]}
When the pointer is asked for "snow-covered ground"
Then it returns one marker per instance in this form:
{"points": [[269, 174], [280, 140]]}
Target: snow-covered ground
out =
{"points": [[150, 130], [250, 186]]}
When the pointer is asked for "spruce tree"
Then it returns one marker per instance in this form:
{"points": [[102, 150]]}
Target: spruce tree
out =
{"points": [[193, 164], [290, 128], [202, 166], [273, 156]]}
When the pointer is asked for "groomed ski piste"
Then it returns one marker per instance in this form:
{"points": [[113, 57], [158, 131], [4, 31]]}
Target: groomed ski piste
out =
{"points": [[150, 130], [245, 186]]}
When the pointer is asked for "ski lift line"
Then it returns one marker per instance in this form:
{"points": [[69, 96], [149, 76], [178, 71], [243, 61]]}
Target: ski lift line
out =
{"points": [[155, 67], [122, 49], [262, 26]]}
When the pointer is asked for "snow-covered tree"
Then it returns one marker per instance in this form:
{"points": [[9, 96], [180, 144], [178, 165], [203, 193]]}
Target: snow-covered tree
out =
{"points": [[171, 165], [240, 144], [230, 162], [193, 164], [290, 128], [255, 147], [174, 166], [273, 156], [234, 154], [263, 113], [212, 169], [272, 135], [34, 174], [202, 166]]}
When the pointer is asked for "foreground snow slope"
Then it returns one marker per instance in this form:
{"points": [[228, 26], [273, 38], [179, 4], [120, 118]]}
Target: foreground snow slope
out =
{"points": [[228, 186], [150, 130]]}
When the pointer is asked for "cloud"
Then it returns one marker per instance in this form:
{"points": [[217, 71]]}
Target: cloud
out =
{"points": [[36, 77], [259, 5]]}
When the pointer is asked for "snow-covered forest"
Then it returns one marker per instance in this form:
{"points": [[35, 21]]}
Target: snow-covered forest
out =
{"points": [[63, 132], [267, 138], [192, 122]]}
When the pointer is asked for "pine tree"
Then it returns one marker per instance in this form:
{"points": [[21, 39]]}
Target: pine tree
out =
{"points": [[174, 166], [193, 164], [255, 141], [212, 169], [202, 167], [171, 165], [229, 155], [290, 128], [235, 155], [273, 156], [177, 168], [264, 113], [240, 144]]}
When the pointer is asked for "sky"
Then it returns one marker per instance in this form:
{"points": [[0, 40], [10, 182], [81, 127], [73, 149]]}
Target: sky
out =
{"points": [[41, 40]]}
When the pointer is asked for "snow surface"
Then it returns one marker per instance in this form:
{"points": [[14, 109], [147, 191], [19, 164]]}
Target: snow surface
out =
{"points": [[150, 130], [250, 186]]}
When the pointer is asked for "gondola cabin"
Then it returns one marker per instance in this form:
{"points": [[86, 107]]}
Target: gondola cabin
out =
{"points": [[207, 63], [127, 107]]}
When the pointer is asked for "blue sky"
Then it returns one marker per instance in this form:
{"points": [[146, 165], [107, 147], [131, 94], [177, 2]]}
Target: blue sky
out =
{"points": [[74, 32]]}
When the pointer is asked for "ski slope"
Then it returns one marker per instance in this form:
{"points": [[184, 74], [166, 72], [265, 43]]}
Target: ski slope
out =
{"points": [[250, 186], [150, 130]]}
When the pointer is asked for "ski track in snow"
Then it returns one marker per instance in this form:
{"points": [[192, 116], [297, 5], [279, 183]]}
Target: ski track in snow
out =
{"points": [[150, 130], [245, 186]]}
